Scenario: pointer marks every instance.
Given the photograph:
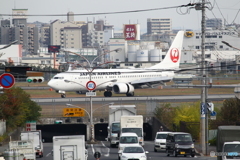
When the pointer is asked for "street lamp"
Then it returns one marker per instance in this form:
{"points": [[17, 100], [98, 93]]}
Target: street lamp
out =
{"points": [[8, 45], [236, 89], [90, 70], [113, 80], [91, 111], [224, 42], [90, 117]]}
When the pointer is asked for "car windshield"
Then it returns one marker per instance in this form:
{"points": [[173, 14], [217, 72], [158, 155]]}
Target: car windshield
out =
{"points": [[138, 131], [161, 136], [129, 140], [232, 148], [133, 150], [115, 127], [183, 137]]}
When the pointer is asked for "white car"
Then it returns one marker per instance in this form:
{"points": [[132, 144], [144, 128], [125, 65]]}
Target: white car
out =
{"points": [[127, 139], [133, 152], [160, 141]]}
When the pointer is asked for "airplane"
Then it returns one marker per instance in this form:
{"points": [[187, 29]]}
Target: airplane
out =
{"points": [[120, 81]]}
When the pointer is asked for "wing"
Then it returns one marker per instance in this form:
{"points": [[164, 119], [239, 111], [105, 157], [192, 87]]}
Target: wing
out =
{"points": [[153, 80]]}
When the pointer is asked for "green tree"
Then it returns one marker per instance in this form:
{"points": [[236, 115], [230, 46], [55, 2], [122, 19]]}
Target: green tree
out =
{"points": [[16, 107], [188, 113], [165, 114], [230, 111]]}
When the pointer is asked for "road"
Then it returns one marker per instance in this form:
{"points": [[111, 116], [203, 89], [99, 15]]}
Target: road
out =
{"points": [[111, 153], [175, 98]]}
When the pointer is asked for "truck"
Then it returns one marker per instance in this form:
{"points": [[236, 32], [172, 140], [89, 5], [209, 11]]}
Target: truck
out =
{"points": [[133, 124], [69, 147], [115, 113], [36, 138], [226, 134], [20, 150]]}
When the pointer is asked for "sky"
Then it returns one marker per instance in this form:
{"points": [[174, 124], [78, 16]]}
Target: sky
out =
{"points": [[182, 18]]}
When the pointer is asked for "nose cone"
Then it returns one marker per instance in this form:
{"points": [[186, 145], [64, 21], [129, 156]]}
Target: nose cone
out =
{"points": [[52, 84]]}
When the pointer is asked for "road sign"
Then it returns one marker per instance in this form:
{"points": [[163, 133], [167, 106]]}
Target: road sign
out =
{"points": [[202, 108], [210, 106], [213, 117], [31, 126], [7, 80], [91, 85], [97, 155], [91, 94], [213, 113], [73, 112]]}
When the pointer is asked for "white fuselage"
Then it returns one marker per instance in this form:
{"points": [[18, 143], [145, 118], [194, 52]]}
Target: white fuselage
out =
{"points": [[77, 79]]}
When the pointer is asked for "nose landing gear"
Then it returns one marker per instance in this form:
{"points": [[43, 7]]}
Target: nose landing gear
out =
{"points": [[63, 95]]}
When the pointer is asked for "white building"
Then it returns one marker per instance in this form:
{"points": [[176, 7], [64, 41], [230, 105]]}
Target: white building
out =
{"points": [[12, 54], [159, 25], [213, 42]]}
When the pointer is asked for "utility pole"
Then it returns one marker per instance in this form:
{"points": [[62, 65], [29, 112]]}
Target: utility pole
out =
{"points": [[203, 119]]}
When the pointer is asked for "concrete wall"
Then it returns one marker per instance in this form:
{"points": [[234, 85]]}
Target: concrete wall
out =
{"points": [[2, 127]]}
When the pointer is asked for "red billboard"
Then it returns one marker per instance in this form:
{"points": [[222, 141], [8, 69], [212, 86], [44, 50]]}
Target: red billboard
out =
{"points": [[130, 32], [53, 48]]}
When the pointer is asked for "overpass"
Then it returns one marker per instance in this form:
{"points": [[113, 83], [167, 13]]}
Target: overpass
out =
{"points": [[74, 127]]}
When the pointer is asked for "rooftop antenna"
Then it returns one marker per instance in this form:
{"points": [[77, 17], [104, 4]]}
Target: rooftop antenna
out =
{"points": [[14, 4]]}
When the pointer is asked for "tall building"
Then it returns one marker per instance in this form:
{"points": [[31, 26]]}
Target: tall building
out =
{"points": [[214, 23], [158, 25], [5, 31], [65, 34], [44, 35], [26, 34], [90, 36]]}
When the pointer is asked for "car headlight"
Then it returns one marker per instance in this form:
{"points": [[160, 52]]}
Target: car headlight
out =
{"points": [[143, 156], [176, 145], [120, 148], [192, 146]]}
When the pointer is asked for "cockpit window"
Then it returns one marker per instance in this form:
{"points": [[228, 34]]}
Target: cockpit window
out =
{"points": [[57, 77]]}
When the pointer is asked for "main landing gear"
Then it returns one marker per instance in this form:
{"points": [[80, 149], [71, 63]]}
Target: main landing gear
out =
{"points": [[130, 94], [107, 94]]}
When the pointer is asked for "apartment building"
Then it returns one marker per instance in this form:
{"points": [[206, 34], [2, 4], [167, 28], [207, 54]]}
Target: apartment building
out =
{"points": [[44, 35], [214, 23], [66, 34], [26, 34], [92, 34], [158, 25]]}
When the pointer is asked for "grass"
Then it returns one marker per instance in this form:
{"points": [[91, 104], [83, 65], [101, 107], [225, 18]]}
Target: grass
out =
{"points": [[54, 110], [138, 92]]}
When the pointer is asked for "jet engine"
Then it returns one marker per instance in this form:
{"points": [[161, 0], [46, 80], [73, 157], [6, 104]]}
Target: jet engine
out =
{"points": [[122, 88]]}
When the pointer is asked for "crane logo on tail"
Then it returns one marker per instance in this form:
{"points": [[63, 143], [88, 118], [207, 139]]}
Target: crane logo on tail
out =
{"points": [[174, 54]]}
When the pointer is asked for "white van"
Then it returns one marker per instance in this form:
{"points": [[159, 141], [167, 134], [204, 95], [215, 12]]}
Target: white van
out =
{"points": [[160, 141], [232, 150], [127, 139]]}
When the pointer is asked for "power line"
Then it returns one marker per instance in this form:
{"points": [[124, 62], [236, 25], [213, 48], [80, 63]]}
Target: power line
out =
{"points": [[100, 13]]}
